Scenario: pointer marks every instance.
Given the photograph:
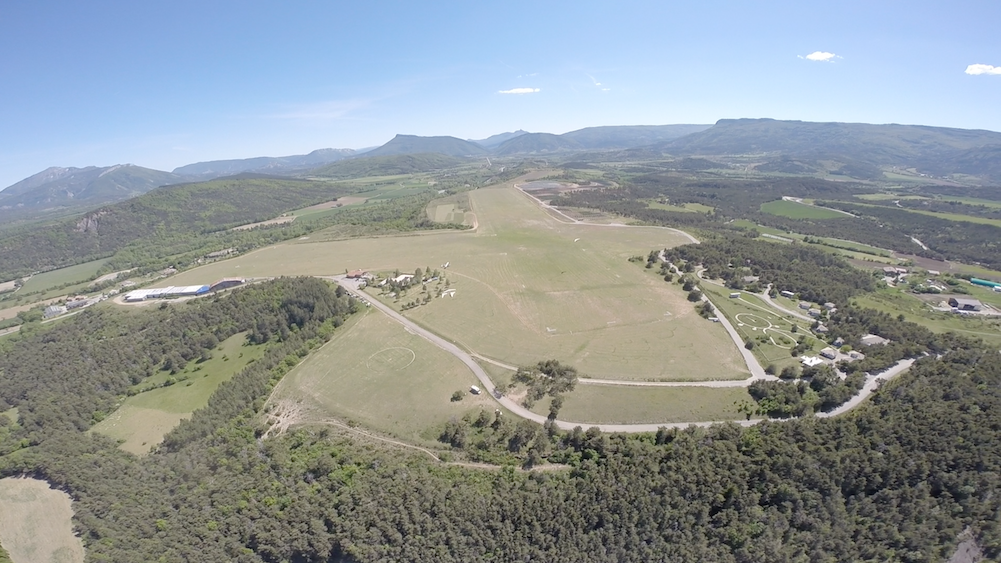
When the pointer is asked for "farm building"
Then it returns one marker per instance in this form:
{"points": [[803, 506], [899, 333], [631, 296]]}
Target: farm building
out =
{"points": [[965, 304], [872, 340], [53, 311], [226, 283], [984, 283], [788, 294], [356, 274], [163, 292], [829, 353]]}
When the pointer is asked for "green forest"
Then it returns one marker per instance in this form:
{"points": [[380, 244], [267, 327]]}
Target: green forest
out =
{"points": [[888, 483]]}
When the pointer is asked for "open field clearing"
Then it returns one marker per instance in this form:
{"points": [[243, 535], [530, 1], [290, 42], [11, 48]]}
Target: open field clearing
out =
{"points": [[948, 216], [270, 222], [374, 372], [530, 287], [142, 420], [796, 210], [11, 312], [896, 302], [452, 209], [36, 523], [54, 278], [601, 404]]}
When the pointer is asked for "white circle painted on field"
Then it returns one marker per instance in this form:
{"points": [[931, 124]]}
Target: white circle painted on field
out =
{"points": [[391, 359]]}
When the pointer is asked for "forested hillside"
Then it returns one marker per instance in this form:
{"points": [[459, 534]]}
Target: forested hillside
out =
{"points": [[165, 215], [897, 481]]}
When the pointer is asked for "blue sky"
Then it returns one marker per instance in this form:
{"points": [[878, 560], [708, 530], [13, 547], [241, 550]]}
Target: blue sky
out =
{"points": [[166, 84]]}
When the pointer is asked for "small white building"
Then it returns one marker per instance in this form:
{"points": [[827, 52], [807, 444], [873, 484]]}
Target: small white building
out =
{"points": [[804, 305], [810, 361], [829, 353], [403, 278], [788, 294], [735, 295]]}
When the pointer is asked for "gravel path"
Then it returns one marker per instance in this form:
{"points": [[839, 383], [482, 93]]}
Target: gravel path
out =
{"points": [[870, 385]]}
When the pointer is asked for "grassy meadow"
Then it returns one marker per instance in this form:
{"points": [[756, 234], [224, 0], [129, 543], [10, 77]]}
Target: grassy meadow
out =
{"points": [[794, 210], [36, 523], [376, 373], [606, 404], [529, 287], [143, 419]]}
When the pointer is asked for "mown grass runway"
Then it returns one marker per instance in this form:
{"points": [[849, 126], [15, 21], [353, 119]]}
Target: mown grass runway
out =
{"points": [[529, 287]]}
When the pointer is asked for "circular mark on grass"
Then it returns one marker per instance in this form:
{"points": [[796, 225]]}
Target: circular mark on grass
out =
{"points": [[752, 320], [391, 359]]}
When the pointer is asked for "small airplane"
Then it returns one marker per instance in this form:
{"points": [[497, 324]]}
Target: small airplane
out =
{"points": [[446, 265]]}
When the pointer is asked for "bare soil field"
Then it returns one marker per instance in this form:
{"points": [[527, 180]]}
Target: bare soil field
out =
{"points": [[276, 221], [36, 523]]}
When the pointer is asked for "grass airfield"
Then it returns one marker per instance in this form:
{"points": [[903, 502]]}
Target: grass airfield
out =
{"points": [[528, 287]]}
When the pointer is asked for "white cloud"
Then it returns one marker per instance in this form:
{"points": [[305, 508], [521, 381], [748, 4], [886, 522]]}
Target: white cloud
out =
{"points": [[519, 91], [983, 69], [820, 56]]}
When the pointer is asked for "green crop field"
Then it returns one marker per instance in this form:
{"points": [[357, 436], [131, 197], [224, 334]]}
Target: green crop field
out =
{"points": [[601, 404], [36, 523], [947, 216], [55, 278], [528, 288], [795, 210], [143, 419], [375, 372], [452, 209]]}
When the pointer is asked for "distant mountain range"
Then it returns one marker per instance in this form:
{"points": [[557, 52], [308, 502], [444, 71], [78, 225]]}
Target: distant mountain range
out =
{"points": [[275, 165], [936, 150], [56, 190], [494, 140], [412, 144], [853, 149]]}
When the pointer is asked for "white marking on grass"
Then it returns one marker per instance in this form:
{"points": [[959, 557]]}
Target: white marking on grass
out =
{"points": [[413, 356]]}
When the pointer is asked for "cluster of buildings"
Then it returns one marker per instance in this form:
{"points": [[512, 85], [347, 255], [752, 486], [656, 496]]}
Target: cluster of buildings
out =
{"points": [[72, 303], [137, 295]]}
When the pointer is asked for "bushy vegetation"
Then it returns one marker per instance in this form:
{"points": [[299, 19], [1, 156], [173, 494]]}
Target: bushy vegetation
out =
{"points": [[815, 275]]}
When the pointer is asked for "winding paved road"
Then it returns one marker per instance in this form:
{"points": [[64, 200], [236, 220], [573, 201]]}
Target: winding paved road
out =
{"points": [[757, 372], [521, 411]]}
